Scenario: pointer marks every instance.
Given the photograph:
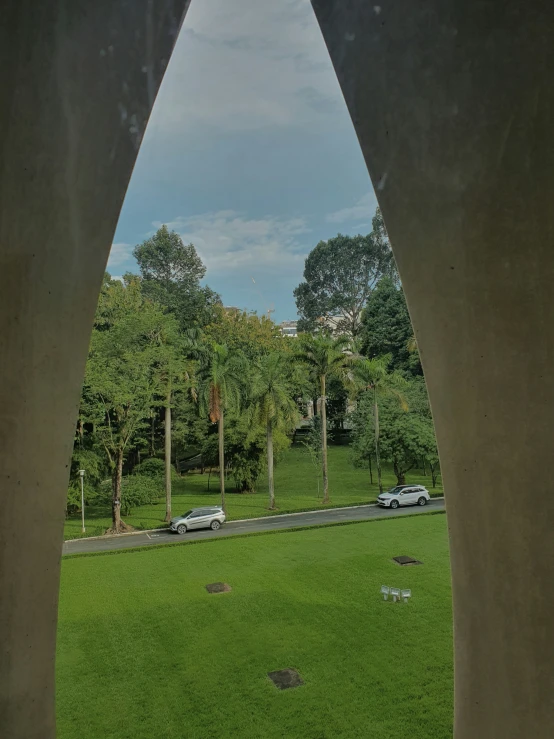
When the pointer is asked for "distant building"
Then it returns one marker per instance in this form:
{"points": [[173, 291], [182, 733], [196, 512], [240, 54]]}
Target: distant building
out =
{"points": [[337, 324], [289, 328]]}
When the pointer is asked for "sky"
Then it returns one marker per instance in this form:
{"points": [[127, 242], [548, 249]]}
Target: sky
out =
{"points": [[249, 153]]}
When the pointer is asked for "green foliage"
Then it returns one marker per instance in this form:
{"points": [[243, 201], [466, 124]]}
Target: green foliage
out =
{"points": [[136, 490], [406, 435], [339, 276], [171, 274], [271, 400], [322, 355], [246, 333], [387, 329], [221, 380], [151, 467]]}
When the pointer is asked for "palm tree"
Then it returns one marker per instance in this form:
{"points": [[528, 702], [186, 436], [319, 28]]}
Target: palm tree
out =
{"points": [[324, 356], [372, 375], [221, 380], [272, 404]]}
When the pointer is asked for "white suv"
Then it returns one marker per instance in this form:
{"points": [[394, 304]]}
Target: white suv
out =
{"points": [[404, 495], [198, 518]]}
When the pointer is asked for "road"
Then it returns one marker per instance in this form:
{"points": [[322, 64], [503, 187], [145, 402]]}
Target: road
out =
{"points": [[269, 523]]}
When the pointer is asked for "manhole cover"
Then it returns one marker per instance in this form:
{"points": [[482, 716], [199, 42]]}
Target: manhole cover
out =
{"points": [[284, 679], [404, 560], [218, 587]]}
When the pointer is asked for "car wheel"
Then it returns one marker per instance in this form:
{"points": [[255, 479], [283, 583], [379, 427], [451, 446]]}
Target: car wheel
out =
{"points": [[215, 525], [394, 504], [181, 529], [422, 501]]}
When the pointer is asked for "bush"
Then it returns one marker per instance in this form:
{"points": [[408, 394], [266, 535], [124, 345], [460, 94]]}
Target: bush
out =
{"points": [[136, 490], [154, 467], [151, 467], [73, 504]]}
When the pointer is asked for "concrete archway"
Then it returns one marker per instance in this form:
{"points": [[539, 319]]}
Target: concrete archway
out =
{"points": [[453, 105], [78, 82]]}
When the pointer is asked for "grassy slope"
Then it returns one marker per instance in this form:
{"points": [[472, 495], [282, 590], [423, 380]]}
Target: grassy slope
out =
{"points": [[295, 488], [144, 651]]}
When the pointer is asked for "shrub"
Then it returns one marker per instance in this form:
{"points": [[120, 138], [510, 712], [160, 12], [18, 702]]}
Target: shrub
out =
{"points": [[154, 467], [151, 467], [136, 490]]}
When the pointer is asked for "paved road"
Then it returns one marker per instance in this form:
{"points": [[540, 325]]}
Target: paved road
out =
{"points": [[270, 523]]}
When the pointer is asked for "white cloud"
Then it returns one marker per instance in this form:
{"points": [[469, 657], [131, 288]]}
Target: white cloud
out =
{"points": [[119, 254], [360, 213], [244, 65], [229, 242]]}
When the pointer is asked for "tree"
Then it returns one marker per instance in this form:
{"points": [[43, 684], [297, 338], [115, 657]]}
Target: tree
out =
{"points": [[248, 333], [339, 276], [313, 445], [372, 376], [272, 405], [323, 356], [170, 373], [171, 272], [120, 381], [404, 439], [221, 378], [386, 328]]}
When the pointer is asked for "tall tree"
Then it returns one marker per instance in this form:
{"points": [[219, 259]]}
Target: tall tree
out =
{"points": [[171, 373], [372, 376], [386, 328], [120, 381], [272, 404], [221, 379], [339, 276], [323, 356], [171, 272]]}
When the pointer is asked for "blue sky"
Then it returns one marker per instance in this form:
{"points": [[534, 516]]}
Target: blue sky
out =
{"points": [[249, 154]]}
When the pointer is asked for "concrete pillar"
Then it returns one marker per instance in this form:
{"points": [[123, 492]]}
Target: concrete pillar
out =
{"points": [[310, 408], [77, 82], [453, 105]]}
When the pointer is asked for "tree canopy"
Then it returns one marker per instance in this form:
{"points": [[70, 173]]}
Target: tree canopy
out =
{"points": [[171, 272], [339, 276]]}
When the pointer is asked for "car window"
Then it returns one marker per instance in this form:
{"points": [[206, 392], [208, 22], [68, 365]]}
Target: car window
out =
{"points": [[198, 514]]}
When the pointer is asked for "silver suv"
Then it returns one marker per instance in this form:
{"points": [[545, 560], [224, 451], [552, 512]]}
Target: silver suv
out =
{"points": [[198, 518], [404, 495]]}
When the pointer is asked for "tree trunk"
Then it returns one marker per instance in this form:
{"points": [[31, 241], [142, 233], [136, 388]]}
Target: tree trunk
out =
{"points": [[221, 432], [424, 467], [377, 456], [370, 470], [116, 492], [400, 475], [168, 457], [270, 466], [324, 441], [209, 475]]}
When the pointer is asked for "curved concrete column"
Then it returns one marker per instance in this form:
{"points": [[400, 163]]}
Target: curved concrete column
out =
{"points": [[77, 82], [453, 104]]}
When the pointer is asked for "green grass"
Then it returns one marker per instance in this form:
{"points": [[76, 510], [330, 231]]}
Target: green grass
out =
{"points": [[144, 651], [295, 488]]}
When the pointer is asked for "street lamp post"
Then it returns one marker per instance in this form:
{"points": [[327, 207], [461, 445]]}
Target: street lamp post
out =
{"points": [[82, 476]]}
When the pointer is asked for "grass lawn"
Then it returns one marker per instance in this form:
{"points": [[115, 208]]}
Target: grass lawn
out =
{"points": [[295, 489], [144, 651]]}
